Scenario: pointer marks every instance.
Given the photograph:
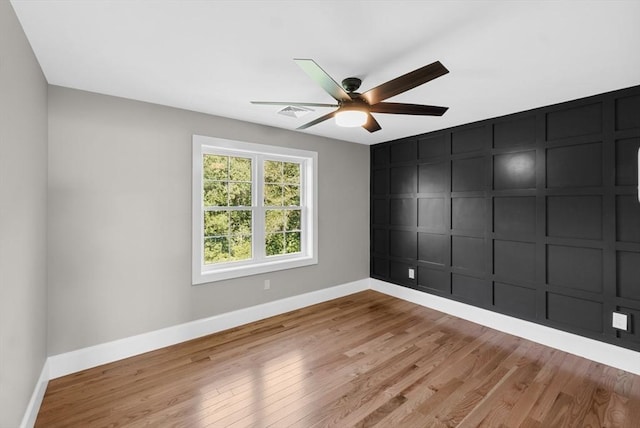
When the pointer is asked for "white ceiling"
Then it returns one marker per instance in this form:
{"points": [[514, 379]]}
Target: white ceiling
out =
{"points": [[217, 56]]}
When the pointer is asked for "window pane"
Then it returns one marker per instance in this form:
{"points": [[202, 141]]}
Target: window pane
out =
{"points": [[240, 169], [273, 195], [274, 220], [292, 241], [293, 220], [239, 194], [291, 173], [241, 222], [237, 182], [215, 194], [274, 244], [216, 250], [273, 172], [241, 247], [215, 167], [216, 223], [291, 196]]}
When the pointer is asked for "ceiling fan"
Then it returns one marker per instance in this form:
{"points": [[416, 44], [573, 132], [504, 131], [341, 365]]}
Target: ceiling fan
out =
{"points": [[354, 108]]}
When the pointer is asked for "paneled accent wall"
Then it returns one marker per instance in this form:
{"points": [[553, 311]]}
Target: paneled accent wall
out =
{"points": [[534, 215]]}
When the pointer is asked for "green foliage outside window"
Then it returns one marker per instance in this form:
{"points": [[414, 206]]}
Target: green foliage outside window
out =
{"points": [[227, 185], [283, 222], [227, 248], [227, 233], [226, 181]]}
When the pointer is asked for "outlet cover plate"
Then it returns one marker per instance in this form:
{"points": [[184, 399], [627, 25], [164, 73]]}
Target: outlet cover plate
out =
{"points": [[620, 321], [412, 273]]}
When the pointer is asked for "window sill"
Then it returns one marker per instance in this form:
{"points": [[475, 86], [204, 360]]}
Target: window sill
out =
{"points": [[200, 277]]}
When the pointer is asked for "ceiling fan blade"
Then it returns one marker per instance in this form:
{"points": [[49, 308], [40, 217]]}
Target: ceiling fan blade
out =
{"points": [[284, 103], [415, 109], [318, 120], [405, 82], [372, 124], [323, 79]]}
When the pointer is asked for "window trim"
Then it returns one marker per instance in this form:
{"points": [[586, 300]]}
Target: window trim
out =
{"points": [[309, 185]]}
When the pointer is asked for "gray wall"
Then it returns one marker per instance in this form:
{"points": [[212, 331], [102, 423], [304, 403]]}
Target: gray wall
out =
{"points": [[23, 186], [120, 219]]}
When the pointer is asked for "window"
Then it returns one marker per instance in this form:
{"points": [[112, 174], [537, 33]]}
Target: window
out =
{"points": [[254, 209]]}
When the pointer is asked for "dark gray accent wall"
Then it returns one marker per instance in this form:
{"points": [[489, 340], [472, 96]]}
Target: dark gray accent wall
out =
{"points": [[534, 215]]}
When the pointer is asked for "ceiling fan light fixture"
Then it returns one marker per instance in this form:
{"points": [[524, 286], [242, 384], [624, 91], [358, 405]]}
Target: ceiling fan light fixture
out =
{"points": [[350, 118], [354, 108]]}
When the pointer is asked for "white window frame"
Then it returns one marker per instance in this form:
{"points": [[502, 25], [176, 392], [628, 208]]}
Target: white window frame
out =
{"points": [[202, 273]]}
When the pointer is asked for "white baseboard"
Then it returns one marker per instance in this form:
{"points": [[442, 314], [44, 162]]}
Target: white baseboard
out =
{"points": [[31, 414], [81, 359], [594, 350]]}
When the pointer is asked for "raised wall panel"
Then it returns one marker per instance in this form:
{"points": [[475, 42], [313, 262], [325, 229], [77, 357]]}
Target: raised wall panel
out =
{"points": [[380, 155], [431, 214], [575, 267], [402, 244], [514, 133], [468, 214], [431, 147], [433, 178], [627, 218], [399, 272], [381, 182], [634, 324], [627, 109], [514, 260], [380, 241], [574, 122], [402, 212], [515, 300], [403, 151], [471, 289], [514, 216], [580, 313], [432, 247], [627, 161], [469, 140], [434, 279], [468, 174], [468, 253], [380, 211], [574, 217], [380, 267], [628, 270], [514, 170], [575, 166], [402, 179]]}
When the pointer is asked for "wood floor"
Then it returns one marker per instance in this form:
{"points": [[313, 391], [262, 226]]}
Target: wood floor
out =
{"points": [[363, 360]]}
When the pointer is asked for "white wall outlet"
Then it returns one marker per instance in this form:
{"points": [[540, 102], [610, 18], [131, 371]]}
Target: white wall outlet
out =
{"points": [[412, 274], [620, 321], [267, 284]]}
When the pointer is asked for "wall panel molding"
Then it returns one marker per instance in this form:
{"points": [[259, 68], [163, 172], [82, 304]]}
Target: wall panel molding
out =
{"points": [[533, 214]]}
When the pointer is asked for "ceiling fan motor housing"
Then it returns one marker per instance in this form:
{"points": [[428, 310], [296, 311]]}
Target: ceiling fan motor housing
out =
{"points": [[351, 84]]}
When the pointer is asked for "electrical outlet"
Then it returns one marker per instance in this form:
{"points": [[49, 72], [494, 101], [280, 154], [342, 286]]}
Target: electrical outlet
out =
{"points": [[620, 321], [267, 284], [412, 274]]}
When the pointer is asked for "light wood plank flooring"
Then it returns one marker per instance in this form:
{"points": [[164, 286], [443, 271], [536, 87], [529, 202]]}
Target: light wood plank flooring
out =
{"points": [[363, 360]]}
